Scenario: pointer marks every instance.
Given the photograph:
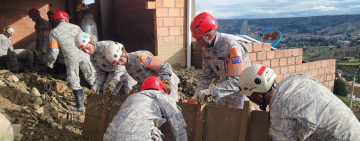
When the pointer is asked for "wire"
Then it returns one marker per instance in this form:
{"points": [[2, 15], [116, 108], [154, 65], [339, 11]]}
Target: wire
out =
{"points": [[17, 88]]}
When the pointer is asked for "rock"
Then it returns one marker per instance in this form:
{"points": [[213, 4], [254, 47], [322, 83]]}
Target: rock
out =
{"points": [[16, 128], [36, 106], [35, 91], [18, 136], [30, 121], [192, 68], [38, 101], [40, 111], [59, 87], [24, 89], [19, 75], [54, 125], [50, 120], [2, 110], [9, 117], [13, 78], [56, 137]]}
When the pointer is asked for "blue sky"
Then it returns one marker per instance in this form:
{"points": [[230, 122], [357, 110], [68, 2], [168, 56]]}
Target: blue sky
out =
{"points": [[250, 9]]}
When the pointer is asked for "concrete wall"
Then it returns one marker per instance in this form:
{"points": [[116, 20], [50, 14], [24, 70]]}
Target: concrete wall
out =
{"points": [[284, 62], [13, 13]]}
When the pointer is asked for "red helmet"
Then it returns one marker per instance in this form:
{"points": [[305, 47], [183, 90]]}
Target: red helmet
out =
{"points": [[153, 83], [33, 12], [202, 23], [50, 12], [60, 15]]}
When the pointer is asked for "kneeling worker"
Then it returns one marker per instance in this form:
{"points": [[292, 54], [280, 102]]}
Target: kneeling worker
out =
{"points": [[17, 56], [301, 108], [144, 112]]}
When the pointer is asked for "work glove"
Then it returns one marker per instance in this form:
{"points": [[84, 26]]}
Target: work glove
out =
{"points": [[167, 85], [111, 86], [190, 101], [203, 95]]}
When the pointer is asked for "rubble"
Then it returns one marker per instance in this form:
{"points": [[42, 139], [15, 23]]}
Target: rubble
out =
{"points": [[13, 78], [35, 91]]}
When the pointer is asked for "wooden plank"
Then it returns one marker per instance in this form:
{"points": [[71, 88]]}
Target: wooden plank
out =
{"points": [[114, 107], [245, 122], [200, 117], [102, 129], [95, 105], [91, 131], [222, 124], [259, 129]]}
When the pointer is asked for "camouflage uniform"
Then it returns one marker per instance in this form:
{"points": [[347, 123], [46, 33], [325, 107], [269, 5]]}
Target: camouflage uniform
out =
{"points": [[88, 25], [5, 45], [17, 56], [139, 71], [64, 35], [42, 28], [304, 109], [142, 114], [117, 72], [215, 59]]}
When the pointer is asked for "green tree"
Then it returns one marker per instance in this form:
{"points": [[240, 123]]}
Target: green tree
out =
{"points": [[340, 88], [338, 46]]}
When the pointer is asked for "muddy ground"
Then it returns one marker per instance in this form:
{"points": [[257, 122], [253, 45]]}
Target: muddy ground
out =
{"points": [[44, 115]]}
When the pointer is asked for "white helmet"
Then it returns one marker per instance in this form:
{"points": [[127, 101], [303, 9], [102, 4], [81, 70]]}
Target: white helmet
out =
{"points": [[82, 39], [113, 52], [10, 30], [81, 7], [256, 78]]}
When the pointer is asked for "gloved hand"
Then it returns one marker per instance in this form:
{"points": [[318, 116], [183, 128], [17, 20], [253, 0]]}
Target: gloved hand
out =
{"points": [[93, 91], [111, 86], [167, 85], [190, 101], [203, 94]]}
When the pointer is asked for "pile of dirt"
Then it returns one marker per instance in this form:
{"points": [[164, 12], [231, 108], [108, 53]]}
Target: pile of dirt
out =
{"points": [[40, 108]]}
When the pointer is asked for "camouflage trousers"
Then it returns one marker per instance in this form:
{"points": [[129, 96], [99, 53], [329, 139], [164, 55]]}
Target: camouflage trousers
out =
{"points": [[72, 72]]}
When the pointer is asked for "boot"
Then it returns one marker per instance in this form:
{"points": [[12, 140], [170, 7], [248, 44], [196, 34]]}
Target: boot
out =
{"points": [[79, 96], [63, 68]]}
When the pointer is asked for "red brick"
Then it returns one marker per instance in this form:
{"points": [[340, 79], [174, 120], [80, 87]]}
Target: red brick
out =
{"points": [[162, 31], [309, 72], [257, 47], [158, 3], [283, 62], [279, 54], [160, 40], [327, 70], [291, 61], [317, 64], [323, 63], [169, 39], [266, 63], [311, 65], [295, 52], [317, 78], [255, 62], [179, 39], [329, 77], [276, 70], [162, 12], [287, 53], [159, 22], [321, 71], [298, 60], [333, 62], [150, 5], [305, 66], [279, 78], [250, 47], [291, 69], [300, 51], [329, 63], [315, 72], [286, 75], [270, 55], [284, 70], [298, 68], [169, 3], [333, 69], [180, 21], [266, 46], [174, 12], [261, 55], [174, 30], [252, 56], [275, 63], [326, 84], [323, 78], [182, 12], [169, 21], [180, 3]]}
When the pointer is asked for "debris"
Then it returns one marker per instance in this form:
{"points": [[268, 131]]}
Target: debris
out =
{"points": [[13, 79], [35, 91], [60, 87]]}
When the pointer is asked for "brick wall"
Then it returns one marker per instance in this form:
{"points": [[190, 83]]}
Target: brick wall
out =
{"points": [[14, 14], [135, 25], [170, 29], [284, 62]]}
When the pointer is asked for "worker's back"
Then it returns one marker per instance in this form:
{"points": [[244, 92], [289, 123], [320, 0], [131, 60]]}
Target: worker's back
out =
{"points": [[304, 109]]}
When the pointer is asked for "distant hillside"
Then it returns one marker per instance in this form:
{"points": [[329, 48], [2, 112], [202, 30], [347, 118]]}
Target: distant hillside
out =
{"points": [[317, 25]]}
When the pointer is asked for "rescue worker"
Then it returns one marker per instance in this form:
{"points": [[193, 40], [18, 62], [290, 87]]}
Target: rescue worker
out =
{"points": [[142, 114], [141, 65], [301, 108], [42, 28], [117, 75], [88, 24], [5, 45], [6, 130], [222, 54], [63, 36], [50, 15], [17, 56]]}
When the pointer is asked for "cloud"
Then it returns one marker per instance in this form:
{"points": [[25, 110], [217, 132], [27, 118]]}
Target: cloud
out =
{"points": [[226, 9]]}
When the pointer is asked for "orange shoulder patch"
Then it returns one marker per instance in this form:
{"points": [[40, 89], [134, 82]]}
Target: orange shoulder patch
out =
{"points": [[54, 44], [236, 63], [151, 62]]}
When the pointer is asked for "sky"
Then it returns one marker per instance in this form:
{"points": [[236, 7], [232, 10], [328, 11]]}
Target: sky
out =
{"points": [[253, 9]]}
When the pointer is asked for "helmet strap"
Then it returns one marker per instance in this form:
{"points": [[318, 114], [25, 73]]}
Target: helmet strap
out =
{"points": [[263, 104]]}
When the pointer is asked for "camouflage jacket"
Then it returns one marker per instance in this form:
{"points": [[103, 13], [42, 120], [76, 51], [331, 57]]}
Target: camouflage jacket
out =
{"points": [[142, 114], [5, 45], [88, 25], [304, 109], [42, 28], [216, 59], [23, 55]]}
